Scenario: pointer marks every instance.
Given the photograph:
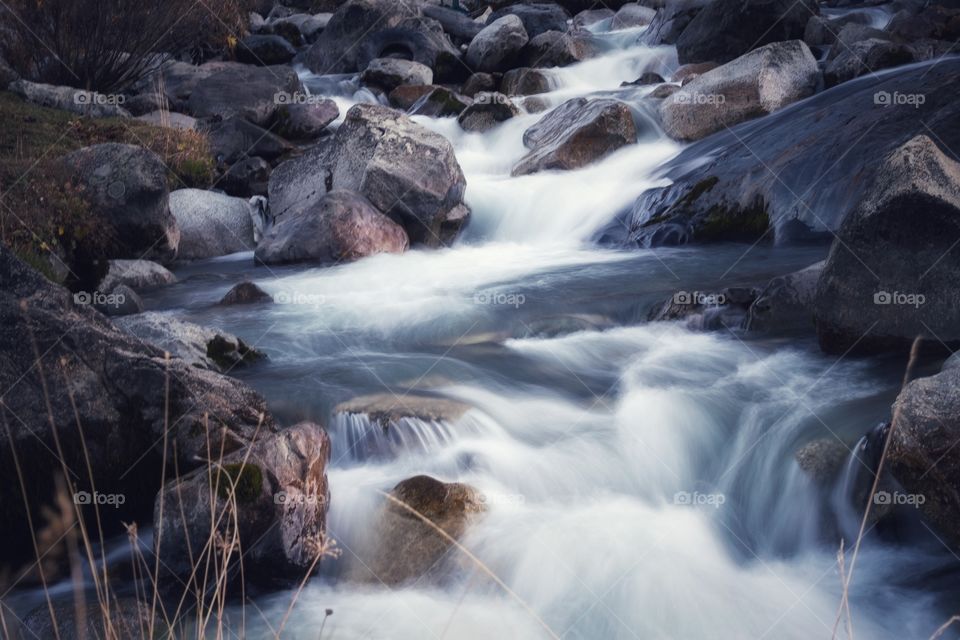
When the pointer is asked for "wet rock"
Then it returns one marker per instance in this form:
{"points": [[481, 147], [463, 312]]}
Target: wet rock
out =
{"points": [[822, 460], [727, 29], [498, 46], [923, 455], [866, 56], [246, 177], [136, 274], [707, 311], [487, 111], [419, 39], [404, 97], [85, 103], [758, 83], [121, 390], [404, 547], [335, 50], [647, 78], [341, 227], [536, 18], [305, 120], [252, 93], [669, 22], [786, 303], [460, 27], [822, 31], [576, 133], [687, 72], [127, 187], [389, 73], [758, 176], [934, 22], [889, 276], [385, 409], [245, 293], [525, 82], [273, 496], [590, 17], [480, 82], [852, 33], [211, 224], [198, 346], [440, 103], [632, 15], [558, 49], [265, 50], [235, 139]]}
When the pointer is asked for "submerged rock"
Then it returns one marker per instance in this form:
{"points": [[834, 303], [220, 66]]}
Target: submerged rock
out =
{"points": [[387, 408], [576, 133], [822, 459], [890, 276], [403, 547], [245, 293]]}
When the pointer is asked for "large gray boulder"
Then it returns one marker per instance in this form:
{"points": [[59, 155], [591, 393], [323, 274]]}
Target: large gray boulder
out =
{"points": [[85, 103], [405, 170], [341, 227], [252, 93], [727, 29], [498, 46], [336, 48], [753, 85], [891, 275], [537, 18], [576, 133], [670, 21], [923, 455], [389, 73], [211, 224], [525, 81], [866, 56], [127, 188], [560, 49], [113, 400], [305, 120], [272, 495], [487, 111], [198, 346], [136, 274], [791, 176], [235, 139]]}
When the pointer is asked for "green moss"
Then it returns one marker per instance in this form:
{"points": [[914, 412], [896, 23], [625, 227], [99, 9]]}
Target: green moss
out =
{"points": [[248, 479], [722, 224]]}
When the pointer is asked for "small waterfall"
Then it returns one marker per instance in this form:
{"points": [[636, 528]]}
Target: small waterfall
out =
{"points": [[855, 482]]}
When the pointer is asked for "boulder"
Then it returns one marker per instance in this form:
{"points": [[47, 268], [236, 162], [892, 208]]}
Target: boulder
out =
{"points": [[669, 22], [460, 27], [852, 33], [707, 310], [487, 111], [211, 224], [439, 103], [727, 29], [631, 16], [122, 393], [389, 73], [169, 119], [200, 347], [479, 82], [866, 56], [404, 547], [136, 274], [145, 103], [179, 79], [890, 276], [302, 180], [525, 82], [265, 50], [934, 22], [418, 39], [576, 133], [127, 188], [246, 177], [404, 97], [786, 303], [687, 72], [335, 50], [341, 227], [822, 460], [591, 17], [85, 103], [273, 496], [252, 93], [790, 177], [536, 18], [245, 293], [822, 31], [755, 84], [574, 7], [923, 455], [558, 49], [498, 46], [121, 300], [235, 139], [387, 409], [305, 120]]}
